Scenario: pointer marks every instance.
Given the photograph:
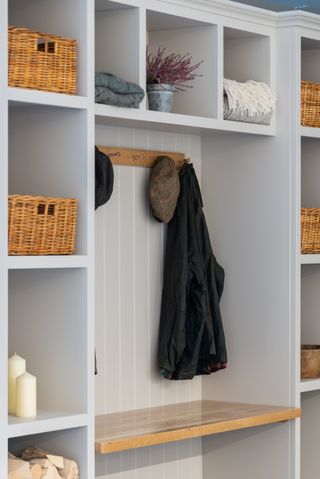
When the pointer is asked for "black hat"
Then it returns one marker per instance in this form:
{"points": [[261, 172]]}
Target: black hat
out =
{"points": [[164, 189], [104, 178]]}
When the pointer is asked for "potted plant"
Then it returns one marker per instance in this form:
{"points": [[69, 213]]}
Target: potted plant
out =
{"points": [[167, 73]]}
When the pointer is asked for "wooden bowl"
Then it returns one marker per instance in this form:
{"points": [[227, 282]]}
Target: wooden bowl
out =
{"points": [[310, 361]]}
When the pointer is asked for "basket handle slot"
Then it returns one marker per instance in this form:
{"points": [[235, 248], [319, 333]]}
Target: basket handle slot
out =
{"points": [[41, 45], [45, 47], [51, 209], [42, 209]]}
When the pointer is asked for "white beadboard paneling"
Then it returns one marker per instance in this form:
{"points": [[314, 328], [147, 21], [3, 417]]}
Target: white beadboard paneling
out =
{"points": [[170, 461], [130, 246]]}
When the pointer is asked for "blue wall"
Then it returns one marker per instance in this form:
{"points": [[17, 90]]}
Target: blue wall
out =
{"points": [[283, 5]]}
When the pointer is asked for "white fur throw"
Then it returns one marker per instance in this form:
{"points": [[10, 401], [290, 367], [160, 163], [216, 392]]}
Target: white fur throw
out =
{"points": [[250, 102]]}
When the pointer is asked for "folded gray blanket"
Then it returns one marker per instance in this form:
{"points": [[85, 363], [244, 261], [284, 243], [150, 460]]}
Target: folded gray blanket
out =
{"points": [[112, 90]]}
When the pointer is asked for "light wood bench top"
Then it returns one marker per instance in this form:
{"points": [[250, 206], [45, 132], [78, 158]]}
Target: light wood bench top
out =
{"points": [[158, 425]]}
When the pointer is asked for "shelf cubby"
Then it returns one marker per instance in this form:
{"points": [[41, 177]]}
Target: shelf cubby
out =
{"points": [[183, 35], [58, 18], [310, 427], [310, 56], [310, 304], [70, 443], [47, 313], [310, 173], [48, 156], [246, 56], [117, 40]]}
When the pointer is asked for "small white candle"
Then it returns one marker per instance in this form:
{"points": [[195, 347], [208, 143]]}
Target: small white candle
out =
{"points": [[26, 396], [16, 367]]}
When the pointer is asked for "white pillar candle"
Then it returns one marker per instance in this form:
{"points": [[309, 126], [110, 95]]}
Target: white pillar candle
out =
{"points": [[16, 367], [26, 396]]}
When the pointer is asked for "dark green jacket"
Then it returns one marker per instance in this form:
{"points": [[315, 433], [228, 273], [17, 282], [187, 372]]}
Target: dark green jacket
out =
{"points": [[191, 337]]}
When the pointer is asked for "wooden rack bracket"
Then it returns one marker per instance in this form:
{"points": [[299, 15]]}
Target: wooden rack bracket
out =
{"points": [[136, 157]]}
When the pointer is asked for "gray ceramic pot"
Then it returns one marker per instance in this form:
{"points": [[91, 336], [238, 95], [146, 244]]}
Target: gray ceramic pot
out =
{"points": [[160, 96]]}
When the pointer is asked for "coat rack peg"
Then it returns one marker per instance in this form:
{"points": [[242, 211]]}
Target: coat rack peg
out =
{"points": [[137, 157]]}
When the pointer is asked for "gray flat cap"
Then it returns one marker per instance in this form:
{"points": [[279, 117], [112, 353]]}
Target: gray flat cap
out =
{"points": [[164, 189]]}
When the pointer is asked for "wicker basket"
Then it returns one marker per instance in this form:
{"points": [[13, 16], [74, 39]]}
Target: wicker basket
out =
{"points": [[310, 362], [310, 230], [310, 104], [42, 61], [42, 226]]}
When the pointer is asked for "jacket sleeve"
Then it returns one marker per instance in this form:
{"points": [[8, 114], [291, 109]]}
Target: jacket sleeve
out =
{"points": [[172, 334], [216, 283]]}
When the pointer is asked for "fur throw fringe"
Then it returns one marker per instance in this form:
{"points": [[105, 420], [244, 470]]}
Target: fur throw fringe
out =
{"points": [[250, 102]]}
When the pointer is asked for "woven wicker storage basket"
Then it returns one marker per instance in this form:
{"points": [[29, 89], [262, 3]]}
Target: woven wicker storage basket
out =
{"points": [[42, 226], [310, 104], [310, 230], [310, 361], [42, 61]]}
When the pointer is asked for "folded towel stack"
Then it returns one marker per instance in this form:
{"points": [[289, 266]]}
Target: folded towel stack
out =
{"points": [[112, 90], [249, 102]]}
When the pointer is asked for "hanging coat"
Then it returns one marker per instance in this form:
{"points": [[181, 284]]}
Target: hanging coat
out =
{"points": [[191, 336]]}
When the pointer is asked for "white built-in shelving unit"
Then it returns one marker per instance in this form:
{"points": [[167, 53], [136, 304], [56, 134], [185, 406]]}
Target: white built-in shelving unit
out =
{"points": [[254, 180], [308, 332], [47, 145]]}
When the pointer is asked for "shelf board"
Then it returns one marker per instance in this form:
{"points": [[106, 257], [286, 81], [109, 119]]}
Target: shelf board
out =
{"points": [[158, 425], [310, 258], [140, 118], [45, 422], [307, 385], [47, 262], [308, 132], [21, 96]]}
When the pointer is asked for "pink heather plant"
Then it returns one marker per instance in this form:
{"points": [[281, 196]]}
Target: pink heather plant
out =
{"points": [[173, 68]]}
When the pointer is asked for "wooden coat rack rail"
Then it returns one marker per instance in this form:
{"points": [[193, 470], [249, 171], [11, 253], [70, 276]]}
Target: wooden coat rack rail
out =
{"points": [[137, 157]]}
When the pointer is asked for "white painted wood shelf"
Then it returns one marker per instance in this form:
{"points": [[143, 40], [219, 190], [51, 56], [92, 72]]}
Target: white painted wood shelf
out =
{"points": [[46, 421], [141, 118], [307, 385], [21, 96], [310, 258], [47, 262], [307, 132]]}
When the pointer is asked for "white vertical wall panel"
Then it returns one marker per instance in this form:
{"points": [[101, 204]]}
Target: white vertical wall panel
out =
{"points": [[130, 246], [251, 180]]}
